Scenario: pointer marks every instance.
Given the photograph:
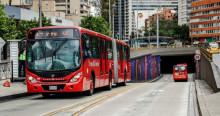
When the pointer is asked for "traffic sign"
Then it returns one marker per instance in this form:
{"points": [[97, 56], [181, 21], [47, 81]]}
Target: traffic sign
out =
{"points": [[197, 57]]}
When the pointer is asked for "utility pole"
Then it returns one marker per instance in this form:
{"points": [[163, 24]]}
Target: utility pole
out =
{"points": [[157, 29], [113, 21], [40, 13], [120, 21], [110, 23]]}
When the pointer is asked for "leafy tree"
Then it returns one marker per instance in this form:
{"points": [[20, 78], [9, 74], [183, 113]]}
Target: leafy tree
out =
{"points": [[105, 8], [184, 33], [12, 29], [97, 24], [166, 28], [24, 26], [8, 26]]}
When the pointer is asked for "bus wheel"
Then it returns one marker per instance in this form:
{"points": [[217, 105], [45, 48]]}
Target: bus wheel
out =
{"points": [[91, 90], [125, 81], [109, 87], [45, 95]]}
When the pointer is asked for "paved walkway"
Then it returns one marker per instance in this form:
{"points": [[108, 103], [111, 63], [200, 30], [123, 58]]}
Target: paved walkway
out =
{"points": [[16, 88], [208, 100]]}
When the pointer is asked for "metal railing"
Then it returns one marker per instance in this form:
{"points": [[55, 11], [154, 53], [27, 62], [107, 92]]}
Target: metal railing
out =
{"points": [[207, 54], [154, 47], [5, 70]]}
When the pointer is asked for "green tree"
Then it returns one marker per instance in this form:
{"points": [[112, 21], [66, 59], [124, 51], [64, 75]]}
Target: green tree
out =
{"points": [[8, 26], [97, 24], [12, 29], [105, 8], [24, 26], [166, 28], [183, 34]]}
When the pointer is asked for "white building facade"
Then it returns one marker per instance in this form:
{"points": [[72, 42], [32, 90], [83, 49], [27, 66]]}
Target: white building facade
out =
{"points": [[184, 9]]}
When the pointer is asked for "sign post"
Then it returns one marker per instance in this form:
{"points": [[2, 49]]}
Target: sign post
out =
{"points": [[197, 58]]}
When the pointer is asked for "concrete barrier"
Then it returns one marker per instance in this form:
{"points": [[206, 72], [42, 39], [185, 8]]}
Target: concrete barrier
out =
{"points": [[145, 68], [210, 73]]}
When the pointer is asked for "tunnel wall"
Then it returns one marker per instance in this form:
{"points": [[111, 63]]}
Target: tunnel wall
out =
{"points": [[145, 68], [209, 72]]}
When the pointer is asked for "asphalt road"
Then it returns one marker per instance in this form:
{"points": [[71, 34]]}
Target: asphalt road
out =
{"points": [[161, 98]]}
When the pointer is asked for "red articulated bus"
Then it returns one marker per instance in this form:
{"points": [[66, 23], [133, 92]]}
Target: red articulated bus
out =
{"points": [[74, 59], [180, 72]]}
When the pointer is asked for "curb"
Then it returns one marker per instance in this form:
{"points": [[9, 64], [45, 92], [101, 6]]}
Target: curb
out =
{"points": [[156, 79], [14, 96], [203, 111]]}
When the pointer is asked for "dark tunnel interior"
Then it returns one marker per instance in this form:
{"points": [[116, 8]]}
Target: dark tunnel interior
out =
{"points": [[167, 63]]}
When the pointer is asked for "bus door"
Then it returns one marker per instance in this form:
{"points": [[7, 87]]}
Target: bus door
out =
{"points": [[120, 61], [102, 62]]}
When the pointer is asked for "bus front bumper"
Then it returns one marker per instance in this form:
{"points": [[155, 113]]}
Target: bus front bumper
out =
{"points": [[180, 77], [54, 87]]}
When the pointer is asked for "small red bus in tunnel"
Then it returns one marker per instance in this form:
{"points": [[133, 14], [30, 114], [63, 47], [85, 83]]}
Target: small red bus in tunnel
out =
{"points": [[74, 59], [180, 72]]}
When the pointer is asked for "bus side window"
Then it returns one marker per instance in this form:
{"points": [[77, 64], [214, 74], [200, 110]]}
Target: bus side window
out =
{"points": [[95, 46], [109, 50], [86, 46], [118, 51]]}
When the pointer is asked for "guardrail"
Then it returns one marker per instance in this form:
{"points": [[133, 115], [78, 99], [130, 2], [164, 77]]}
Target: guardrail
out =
{"points": [[5, 70], [207, 54], [153, 47]]}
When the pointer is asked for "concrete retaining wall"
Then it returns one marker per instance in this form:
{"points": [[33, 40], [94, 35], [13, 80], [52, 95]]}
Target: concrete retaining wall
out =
{"points": [[210, 73], [145, 68]]}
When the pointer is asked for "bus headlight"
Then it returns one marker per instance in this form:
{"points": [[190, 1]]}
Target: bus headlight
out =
{"points": [[76, 77], [32, 79]]}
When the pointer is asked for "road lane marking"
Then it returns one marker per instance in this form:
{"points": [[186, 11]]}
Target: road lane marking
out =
{"points": [[86, 105]]}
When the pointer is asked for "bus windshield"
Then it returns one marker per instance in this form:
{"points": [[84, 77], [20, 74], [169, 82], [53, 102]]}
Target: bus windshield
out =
{"points": [[180, 68], [53, 54]]}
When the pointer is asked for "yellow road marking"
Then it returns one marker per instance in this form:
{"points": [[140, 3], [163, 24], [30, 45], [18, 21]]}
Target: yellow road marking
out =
{"points": [[84, 106]]}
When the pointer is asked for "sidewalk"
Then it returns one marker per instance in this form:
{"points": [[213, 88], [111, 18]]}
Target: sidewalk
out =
{"points": [[17, 89], [209, 102]]}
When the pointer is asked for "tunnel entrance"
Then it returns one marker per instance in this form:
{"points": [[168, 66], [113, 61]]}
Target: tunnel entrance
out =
{"points": [[167, 63]]}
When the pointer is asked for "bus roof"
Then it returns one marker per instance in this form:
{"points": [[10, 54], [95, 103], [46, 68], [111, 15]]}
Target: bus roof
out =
{"points": [[81, 30]]}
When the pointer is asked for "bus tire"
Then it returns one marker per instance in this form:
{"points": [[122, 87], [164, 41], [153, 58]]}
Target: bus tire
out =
{"points": [[125, 79], [45, 95], [90, 92], [109, 87]]}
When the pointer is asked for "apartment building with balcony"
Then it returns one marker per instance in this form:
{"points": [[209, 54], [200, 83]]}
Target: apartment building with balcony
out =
{"points": [[184, 9], [67, 9], [123, 19], [21, 3], [85, 7], [205, 20], [165, 14]]}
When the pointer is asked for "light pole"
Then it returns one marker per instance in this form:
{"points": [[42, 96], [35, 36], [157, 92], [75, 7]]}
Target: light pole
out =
{"points": [[157, 29], [110, 24], [120, 20], [40, 13], [113, 21]]}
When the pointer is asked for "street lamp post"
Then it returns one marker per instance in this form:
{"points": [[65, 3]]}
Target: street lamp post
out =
{"points": [[157, 30], [113, 21], [40, 13], [110, 24]]}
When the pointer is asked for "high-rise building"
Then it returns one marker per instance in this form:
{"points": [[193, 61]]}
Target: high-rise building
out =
{"points": [[184, 7], [95, 9], [204, 20], [165, 14], [123, 19], [21, 3], [68, 9], [85, 7]]}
